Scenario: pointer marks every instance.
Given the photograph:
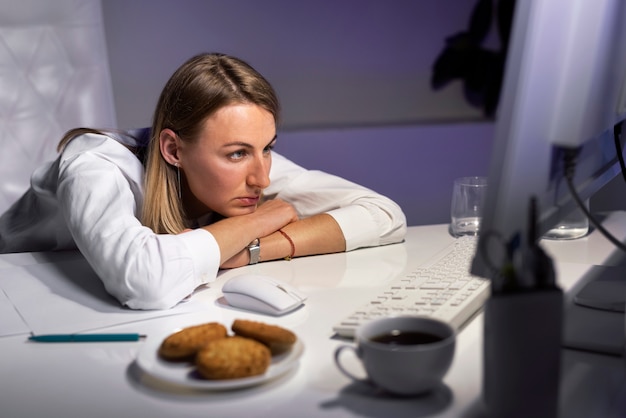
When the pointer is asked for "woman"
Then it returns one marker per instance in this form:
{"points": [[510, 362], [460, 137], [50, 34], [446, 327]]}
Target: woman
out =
{"points": [[158, 212]]}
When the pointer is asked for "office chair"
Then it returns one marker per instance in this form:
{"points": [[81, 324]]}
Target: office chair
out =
{"points": [[54, 76]]}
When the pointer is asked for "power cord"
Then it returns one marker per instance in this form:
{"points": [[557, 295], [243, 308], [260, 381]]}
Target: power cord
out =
{"points": [[505, 268], [617, 135], [569, 160]]}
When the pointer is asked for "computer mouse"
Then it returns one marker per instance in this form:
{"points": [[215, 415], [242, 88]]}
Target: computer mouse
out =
{"points": [[263, 294]]}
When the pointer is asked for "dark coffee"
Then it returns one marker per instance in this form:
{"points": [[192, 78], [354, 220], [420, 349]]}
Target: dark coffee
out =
{"points": [[406, 338]]}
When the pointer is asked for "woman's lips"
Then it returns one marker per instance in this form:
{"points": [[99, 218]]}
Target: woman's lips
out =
{"points": [[249, 200]]}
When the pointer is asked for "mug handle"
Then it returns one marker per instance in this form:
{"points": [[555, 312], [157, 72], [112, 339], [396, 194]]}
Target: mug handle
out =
{"points": [[343, 370]]}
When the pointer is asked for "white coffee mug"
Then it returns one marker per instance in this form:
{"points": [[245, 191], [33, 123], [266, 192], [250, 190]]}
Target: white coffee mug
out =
{"points": [[404, 355]]}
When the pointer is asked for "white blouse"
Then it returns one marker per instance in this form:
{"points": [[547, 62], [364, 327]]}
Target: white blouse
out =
{"points": [[90, 198]]}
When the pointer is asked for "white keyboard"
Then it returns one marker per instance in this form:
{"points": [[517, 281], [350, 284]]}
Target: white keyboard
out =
{"points": [[442, 288]]}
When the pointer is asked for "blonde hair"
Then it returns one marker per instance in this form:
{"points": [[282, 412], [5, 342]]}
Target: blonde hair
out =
{"points": [[196, 90], [200, 87]]}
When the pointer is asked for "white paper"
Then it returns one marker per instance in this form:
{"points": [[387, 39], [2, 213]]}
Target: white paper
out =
{"points": [[68, 297]]}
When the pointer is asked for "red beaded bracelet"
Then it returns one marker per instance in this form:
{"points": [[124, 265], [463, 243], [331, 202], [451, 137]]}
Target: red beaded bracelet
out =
{"points": [[293, 246]]}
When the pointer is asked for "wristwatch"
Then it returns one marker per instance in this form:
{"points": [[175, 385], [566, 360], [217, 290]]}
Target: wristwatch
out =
{"points": [[254, 248]]}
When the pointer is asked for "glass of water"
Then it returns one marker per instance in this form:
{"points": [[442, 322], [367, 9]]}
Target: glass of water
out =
{"points": [[574, 225], [468, 197]]}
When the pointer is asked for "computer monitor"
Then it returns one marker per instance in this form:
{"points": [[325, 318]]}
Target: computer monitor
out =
{"points": [[563, 94]]}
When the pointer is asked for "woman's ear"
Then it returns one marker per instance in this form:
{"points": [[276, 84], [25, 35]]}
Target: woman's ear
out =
{"points": [[169, 145]]}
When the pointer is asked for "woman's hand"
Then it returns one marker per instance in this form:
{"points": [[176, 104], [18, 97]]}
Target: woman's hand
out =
{"points": [[318, 234], [239, 231], [273, 215], [269, 218]]}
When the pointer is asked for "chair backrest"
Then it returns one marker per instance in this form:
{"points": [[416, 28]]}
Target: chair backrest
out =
{"points": [[54, 76]]}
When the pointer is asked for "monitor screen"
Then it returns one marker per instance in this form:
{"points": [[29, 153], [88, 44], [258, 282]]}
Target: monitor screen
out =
{"points": [[563, 90], [563, 96]]}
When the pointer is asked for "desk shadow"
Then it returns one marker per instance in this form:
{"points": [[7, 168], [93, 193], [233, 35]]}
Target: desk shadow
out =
{"points": [[367, 401], [57, 256], [75, 280]]}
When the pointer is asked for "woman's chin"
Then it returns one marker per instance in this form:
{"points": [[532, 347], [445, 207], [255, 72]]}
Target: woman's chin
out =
{"points": [[241, 211]]}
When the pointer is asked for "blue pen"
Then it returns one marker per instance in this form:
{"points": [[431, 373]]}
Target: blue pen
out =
{"points": [[76, 338]]}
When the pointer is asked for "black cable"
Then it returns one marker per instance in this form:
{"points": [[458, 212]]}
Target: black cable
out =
{"points": [[569, 160], [570, 166], [617, 135]]}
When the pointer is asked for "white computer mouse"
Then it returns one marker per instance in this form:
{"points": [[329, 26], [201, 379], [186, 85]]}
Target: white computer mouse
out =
{"points": [[264, 294]]}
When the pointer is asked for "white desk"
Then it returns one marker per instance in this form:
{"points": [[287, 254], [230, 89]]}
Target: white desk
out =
{"points": [[101, 379]]}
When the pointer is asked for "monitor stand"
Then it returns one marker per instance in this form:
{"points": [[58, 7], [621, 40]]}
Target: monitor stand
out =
{"points": [[594, 317]]}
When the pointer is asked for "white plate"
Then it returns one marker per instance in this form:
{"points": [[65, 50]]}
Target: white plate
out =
{"points": [[184, 373]]}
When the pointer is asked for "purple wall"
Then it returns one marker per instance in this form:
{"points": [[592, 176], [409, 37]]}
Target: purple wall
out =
{"points": [[332, 62], [414, 165], [353, 77]]}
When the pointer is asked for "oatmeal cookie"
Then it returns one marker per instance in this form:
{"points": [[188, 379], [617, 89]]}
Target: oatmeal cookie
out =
{"points": [[233, 358], [184, 344], [278, 339]]}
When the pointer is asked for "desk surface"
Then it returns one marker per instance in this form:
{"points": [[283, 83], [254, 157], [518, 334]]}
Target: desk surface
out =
{"points": [[102, 379]]}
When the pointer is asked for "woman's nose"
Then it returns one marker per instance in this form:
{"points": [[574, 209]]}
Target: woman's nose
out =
{"points": [[259, 175]]}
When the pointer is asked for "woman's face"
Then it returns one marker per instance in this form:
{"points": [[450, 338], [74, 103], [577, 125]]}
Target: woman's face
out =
{"points": [[228, 166]]}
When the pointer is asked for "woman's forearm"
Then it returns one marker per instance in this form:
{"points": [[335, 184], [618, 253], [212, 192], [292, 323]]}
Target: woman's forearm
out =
{"points": [[318, 234]]}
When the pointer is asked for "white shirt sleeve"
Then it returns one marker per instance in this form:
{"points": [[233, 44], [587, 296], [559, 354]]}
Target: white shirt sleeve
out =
{"points": [[100, 193], [92, 195], [365, 217]]}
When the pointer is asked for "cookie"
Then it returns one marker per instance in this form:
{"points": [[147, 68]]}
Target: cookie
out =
{"points": [[184, 344], [278, 339], [233, 358]]}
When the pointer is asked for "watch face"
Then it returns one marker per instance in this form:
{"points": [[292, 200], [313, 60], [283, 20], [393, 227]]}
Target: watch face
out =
{"points": [[255, 251]]}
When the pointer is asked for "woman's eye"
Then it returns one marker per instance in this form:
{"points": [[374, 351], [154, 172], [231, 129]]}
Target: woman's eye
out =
{"points": [[268, 149], [237, 155]]}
